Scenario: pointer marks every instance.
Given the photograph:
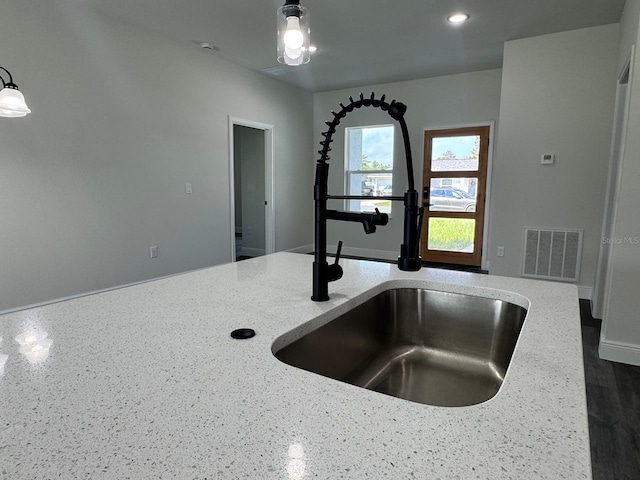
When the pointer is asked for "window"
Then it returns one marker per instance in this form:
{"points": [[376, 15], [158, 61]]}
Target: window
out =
{"points": [[369, 167]]}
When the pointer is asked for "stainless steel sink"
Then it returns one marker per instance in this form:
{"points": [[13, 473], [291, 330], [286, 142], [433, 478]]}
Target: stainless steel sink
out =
{"points": [[426, 346]]}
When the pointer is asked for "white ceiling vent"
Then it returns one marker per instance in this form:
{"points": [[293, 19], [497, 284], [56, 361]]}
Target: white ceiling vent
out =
{"points": [[276, 70], [552, 254]]}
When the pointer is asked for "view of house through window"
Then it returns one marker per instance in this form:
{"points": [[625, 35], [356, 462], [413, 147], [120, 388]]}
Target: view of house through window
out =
{"points": [[369, 167]]}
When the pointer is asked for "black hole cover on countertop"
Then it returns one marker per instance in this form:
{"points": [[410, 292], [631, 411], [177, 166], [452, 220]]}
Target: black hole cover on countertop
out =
{"points": [[243, 333]]}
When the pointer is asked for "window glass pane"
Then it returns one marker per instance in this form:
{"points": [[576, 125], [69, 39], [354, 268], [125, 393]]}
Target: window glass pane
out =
{"points": [[369, 185], [456, 194], [457, 154], [369, 166], [354, 149], [451, 234]]}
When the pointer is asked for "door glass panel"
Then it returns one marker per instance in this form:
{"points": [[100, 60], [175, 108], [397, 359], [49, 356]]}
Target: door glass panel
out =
{"points": [[455, 154], [452, 234], [453, 194]]}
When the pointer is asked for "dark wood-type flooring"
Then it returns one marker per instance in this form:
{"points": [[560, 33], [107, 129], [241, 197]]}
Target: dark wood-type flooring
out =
{"points": [[613, 403]]}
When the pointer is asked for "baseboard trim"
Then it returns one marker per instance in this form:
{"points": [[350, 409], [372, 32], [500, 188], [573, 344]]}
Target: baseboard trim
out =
{"points": [[252, 252], [301, 249], [585, 292], [365, 252], [619, 352], [94, 292]]}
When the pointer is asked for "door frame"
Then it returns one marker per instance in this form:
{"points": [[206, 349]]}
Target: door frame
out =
{"points": [[269, 211], [486, 224], [602, 287]]}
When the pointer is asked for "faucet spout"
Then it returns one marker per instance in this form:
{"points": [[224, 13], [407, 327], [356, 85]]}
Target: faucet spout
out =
{"points": [[369, 220], [409, 258]]}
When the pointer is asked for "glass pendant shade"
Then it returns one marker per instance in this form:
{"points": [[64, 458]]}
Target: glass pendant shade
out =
{"points": [[293, 35], [12, 103]]}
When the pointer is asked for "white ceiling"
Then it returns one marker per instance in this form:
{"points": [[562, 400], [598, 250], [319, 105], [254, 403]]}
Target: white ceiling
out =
{"points": [[363, 42]]}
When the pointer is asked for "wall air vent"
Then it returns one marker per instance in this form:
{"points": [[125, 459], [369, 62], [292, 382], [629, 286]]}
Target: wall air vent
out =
{"points": [[552, 254]]}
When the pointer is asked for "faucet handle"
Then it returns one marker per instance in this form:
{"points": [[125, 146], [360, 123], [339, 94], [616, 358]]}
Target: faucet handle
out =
{"points": [[334, 271], [338, 252]]}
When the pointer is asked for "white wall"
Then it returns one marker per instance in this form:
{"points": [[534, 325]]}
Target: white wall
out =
{"points": [[558, 96], [628, 30], [620, 335], [432, 103], [122, 118]]}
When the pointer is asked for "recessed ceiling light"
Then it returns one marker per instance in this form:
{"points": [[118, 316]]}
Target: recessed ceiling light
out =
{"points": [[458, 18]]}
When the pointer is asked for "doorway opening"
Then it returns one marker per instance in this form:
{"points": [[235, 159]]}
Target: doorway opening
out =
{"points": [[251, 188], [616, 161], [454, 195]]}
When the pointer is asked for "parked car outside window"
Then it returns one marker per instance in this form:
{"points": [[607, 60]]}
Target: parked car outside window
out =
{"points": [[451, 199], [368, 188]]}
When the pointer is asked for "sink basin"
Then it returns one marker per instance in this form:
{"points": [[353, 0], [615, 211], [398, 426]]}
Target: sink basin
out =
{"points": [[426, 346]]}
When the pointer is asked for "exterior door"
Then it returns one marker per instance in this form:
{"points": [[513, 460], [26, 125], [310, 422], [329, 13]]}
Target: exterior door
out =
{"points": [[455, 181]]}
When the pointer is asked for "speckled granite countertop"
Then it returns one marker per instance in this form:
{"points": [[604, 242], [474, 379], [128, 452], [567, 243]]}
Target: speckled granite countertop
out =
{"points": [[145, 382]]}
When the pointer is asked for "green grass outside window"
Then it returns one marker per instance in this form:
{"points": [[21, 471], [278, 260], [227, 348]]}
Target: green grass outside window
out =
{"points": [[452, 234]]}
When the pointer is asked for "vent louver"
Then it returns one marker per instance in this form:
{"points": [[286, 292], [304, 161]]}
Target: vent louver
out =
{"points": [[552, 254], [276, 70]]}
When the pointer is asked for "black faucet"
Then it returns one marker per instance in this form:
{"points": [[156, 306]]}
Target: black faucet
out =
{"points": [[409, 259]]}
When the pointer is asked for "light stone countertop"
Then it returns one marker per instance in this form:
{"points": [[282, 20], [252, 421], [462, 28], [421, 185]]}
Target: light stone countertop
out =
{"points": [[144, 382]]}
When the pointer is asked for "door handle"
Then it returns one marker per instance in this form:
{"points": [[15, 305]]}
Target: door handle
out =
{"points": [[426, 197]]}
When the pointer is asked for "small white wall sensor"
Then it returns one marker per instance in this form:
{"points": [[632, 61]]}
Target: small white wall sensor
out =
{"points": [[548, 158]]}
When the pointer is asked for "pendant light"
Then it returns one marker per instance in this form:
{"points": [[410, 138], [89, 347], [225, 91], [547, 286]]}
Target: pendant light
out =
{"points": [[12, 102], [293, 33]]}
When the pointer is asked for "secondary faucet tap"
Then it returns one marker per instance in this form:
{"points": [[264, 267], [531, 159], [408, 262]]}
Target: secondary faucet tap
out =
{"points": [[409, 259]]}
